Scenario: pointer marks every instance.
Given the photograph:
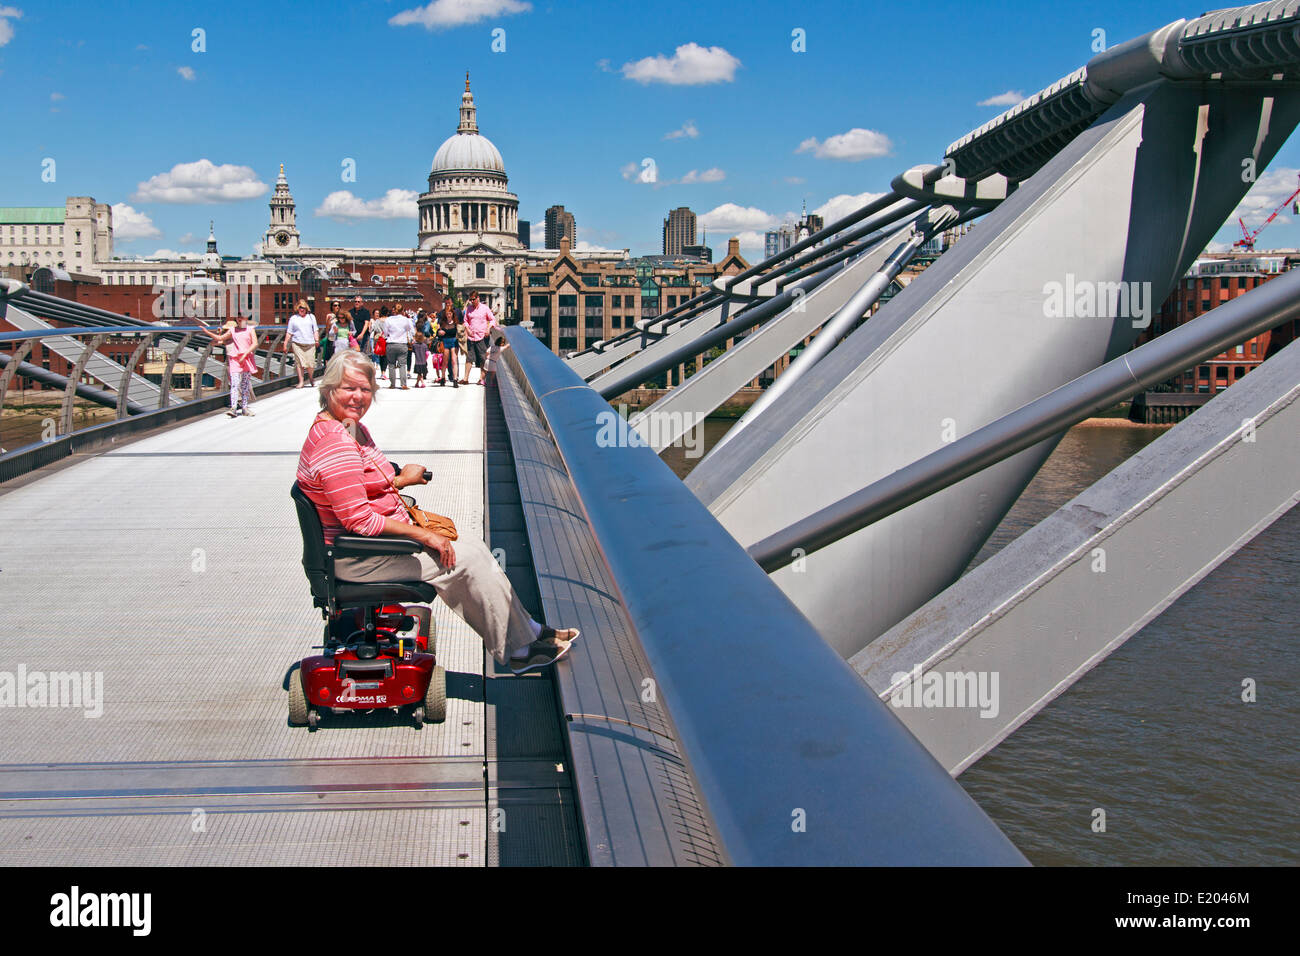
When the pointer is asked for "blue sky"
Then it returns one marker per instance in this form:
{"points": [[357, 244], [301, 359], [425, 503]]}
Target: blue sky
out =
{"points": [[579, 98]]}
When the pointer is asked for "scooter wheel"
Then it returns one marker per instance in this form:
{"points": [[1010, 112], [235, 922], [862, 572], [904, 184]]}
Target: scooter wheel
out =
{"points": [[298, 715], [435, 698], [418, 716], [313, 719]]}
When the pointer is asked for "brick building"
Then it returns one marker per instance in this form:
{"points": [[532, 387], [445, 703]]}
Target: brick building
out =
{"points": [[1213, 280], [573, 303]]}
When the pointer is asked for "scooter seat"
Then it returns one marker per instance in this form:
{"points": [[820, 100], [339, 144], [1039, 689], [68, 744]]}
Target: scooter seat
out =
{"points": [[351, 594]]}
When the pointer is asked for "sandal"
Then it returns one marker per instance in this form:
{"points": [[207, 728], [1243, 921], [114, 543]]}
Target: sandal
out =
{"points": [[540, 654]]}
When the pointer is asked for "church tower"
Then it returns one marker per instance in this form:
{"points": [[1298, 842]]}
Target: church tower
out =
{"points": [[282, 234], [211, 265]]}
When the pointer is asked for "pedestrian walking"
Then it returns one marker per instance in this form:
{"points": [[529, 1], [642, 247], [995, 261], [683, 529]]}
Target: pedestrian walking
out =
{"points": [[302, 334]]}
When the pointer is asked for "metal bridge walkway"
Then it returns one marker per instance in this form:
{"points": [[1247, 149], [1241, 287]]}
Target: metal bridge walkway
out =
{"points": [[171, 566]]}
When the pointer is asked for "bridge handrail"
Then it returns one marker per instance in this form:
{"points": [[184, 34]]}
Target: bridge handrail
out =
{"points": [[797, 761], [128, 415]]}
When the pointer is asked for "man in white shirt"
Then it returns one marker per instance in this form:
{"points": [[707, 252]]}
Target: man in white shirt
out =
{"points": [[303, 334], [399, 330]]}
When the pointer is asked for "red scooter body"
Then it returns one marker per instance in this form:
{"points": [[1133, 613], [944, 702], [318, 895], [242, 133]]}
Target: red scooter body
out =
{"points": [[399, 674]]}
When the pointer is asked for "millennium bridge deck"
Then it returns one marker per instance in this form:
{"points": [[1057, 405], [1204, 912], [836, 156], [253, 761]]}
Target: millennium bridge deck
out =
{"points": [[173, 567]]}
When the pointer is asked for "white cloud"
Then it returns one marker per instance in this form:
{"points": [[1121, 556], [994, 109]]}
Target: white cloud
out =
{"points": [[1009, 98], [642, 172], [445, 14], [837, 207], [186, 72], [7, 28], [537, 234], [1219, 247], [688, 130], [732, 219], [342, 206], [187, 239], [690, 65], [55, 97], [795, 180], [1265, 196], [131, 224], [713, 175], [171, 254], [852, 146], [202, 181]]}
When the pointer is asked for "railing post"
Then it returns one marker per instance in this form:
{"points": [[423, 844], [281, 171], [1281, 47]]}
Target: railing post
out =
{"points": [[129, 371], [166, 383], [74, 376], [10, 370]]}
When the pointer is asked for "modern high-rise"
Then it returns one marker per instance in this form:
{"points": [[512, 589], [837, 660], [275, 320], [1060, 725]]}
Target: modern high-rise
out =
{"points": [[679, 231], [778, 240], [560, 225], [525, 233]]}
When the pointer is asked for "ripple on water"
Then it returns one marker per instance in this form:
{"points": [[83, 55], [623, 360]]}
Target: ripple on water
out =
{"points": [[1158, 735]]}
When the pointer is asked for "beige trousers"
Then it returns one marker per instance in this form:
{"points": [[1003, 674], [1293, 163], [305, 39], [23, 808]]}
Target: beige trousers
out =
{"points": [[476, 589]]}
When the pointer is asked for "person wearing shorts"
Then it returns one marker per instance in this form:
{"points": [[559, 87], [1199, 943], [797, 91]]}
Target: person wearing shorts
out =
{"points": [[479, 323], [449, 327], [303, 334]]}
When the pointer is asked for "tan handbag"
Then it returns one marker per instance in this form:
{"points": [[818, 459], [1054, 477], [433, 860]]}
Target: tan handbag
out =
{"points": [[438, 524]]}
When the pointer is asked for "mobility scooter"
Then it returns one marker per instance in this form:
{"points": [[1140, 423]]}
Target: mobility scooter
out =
{"points": [[378, 653]]}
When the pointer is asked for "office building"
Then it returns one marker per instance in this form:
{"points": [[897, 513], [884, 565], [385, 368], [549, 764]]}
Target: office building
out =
{"points": [[679, 231], [560, 225]]}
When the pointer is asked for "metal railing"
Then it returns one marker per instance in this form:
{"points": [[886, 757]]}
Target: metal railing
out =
{"points": [[778, 731], [128, 414]]}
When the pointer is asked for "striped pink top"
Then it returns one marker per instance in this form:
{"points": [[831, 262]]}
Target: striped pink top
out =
{"points": [[347, 481]]}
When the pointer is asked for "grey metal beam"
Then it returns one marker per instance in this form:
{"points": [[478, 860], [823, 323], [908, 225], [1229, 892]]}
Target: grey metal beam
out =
{"points": [[849, 315], [697, 338], [1235, 43], [100, 367], [683, 407], [594, 362], [1059, 599], [798, 762], [1237, 320], [826, 245], [980, 333], [38, 374], [844, 222]]}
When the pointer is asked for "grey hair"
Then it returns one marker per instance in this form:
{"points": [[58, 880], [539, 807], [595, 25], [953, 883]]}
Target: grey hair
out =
{"points": [[339, 364]]}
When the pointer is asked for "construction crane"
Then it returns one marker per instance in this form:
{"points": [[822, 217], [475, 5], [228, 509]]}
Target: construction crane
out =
{"points": [[1247, 240]]}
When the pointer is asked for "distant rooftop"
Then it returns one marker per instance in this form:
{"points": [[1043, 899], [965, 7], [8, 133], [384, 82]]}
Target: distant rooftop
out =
{"points": [[43, 215]]}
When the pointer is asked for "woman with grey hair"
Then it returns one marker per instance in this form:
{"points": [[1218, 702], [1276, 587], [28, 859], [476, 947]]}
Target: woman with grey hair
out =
{"points": [[355, 489]]}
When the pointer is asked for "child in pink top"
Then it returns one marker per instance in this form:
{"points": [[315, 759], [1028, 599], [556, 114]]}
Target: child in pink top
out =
{"points": [[240, 362], [438, 359]]}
